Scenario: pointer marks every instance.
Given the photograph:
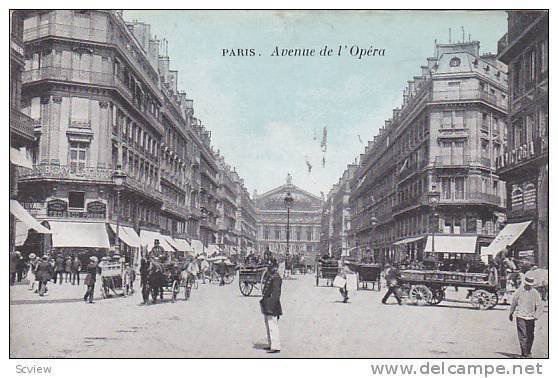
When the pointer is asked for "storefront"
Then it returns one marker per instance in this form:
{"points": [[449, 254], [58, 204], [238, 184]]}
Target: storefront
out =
{"points": [[81, 239], [29, 233], [130, 242], [521, 237], [453, 251]]}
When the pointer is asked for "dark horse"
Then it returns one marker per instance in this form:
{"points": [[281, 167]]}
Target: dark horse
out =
{"points": [[153, 281]]}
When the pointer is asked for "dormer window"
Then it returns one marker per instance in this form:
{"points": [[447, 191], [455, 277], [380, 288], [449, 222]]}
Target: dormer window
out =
{"points": [[455, 62]]}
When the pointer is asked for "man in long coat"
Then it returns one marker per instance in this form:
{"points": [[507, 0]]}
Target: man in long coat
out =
{"points": [[271, 307]]}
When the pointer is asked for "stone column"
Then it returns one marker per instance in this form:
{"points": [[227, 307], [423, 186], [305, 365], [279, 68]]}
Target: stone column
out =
{"points": [[45, 127], [55, 113], [104, 130]]}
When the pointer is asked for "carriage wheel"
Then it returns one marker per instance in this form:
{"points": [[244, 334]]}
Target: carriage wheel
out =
{"points": [[105, 291], [438, 295], [175, 290], [483, 299], [229, 278], [246, 288], [420, 295]]}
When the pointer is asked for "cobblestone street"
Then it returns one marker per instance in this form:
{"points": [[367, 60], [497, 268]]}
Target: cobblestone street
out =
{"points": [[220, 322]]}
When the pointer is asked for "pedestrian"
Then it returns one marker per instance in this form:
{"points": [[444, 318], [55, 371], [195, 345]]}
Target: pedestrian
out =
{"points": [[392, 276], [527, 307], [13, 271], [76, 269], [129, 278], [344, 272], [59, 266], [68, 269], [43, 274], [271, 307], [92, 270], [31, 272], [21, 266], [204, 268]]}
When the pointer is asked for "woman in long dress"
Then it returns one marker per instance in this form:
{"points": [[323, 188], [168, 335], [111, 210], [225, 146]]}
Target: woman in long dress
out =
{"points": [[33, 261]]}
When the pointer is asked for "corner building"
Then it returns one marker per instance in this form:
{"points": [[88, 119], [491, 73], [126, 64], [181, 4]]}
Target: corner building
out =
{"points": [[102, 96], [445, 136], [524, 163]]}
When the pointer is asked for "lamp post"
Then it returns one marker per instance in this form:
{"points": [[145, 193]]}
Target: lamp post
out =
{"points": [[118, 178], [433, 199], [203, 217], [288, 204], [373, 223]]}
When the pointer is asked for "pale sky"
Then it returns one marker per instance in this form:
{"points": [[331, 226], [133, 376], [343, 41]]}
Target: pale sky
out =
{"points": [[263, 111]]}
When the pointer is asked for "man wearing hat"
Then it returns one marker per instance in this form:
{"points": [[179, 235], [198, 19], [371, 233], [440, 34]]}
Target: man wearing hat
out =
{"points": [[43, 274], [271, 307], [527, 307], [90, 279]]}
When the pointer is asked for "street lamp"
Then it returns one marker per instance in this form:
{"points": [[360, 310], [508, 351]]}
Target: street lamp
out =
{"points": [[119, 179], [288, 204], [373, 223], [433, 200], [203, 217]]}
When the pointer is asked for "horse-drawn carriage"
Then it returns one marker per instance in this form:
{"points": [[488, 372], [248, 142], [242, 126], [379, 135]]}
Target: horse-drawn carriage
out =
{"points": [[367, 274], [165, 278], [250, 277], [428, 287], [326, 270]]}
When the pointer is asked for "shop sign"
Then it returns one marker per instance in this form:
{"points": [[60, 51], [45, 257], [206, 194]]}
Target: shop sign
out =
{"points": [[56, 206], [97, 208]]}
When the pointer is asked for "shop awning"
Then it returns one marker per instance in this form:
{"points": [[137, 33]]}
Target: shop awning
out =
{"points": [[197, 246], [74, 234], [509, 234], [451, 244], [183, 245], [148, 240], [128, 235], [171, 242], [409, 240], [22, 215], [21, 231], [19, 158], [213, 249]]}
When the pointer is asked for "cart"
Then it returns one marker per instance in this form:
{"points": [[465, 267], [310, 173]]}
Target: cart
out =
{"points": [[111, 279], [428, 287], [367, 273], [250, 277], [164, 278], [327, 271]]}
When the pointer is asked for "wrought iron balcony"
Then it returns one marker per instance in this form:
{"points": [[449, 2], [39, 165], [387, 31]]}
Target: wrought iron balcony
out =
{"points": [[522, 154], [470, 95], [22, 124]]}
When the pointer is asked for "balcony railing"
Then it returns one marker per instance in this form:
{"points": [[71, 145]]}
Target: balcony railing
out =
{"points": [[67, 74], [22, 123], [65, 30], [90, 77], [170, 204], [525, 152], [470, 197], [452, 160], [466, 95], [144, 187]]}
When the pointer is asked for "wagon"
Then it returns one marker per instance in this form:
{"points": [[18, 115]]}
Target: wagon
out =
{"points": [[428, 287], [250, 277], [367, 273], [111, 279], [327, 271], [164, 278]]}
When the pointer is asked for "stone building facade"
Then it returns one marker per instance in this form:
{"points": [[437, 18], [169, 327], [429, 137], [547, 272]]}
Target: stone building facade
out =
{"points": [[104, 97], [305, 218], [445, 136], [524, 163]]}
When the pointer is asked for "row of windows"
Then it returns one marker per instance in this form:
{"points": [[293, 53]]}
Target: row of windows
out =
{"points": [[296, 233], [529, 68]]}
